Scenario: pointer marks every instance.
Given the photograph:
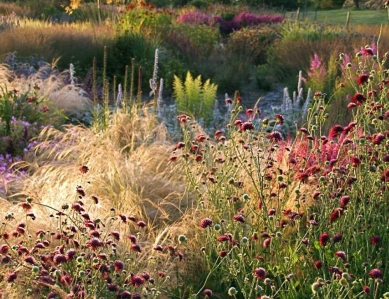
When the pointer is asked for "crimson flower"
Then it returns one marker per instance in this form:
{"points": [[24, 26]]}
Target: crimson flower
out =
{"points": [[362, 79], [323, 239], [358, 99], [375, 273], [260, 273]]}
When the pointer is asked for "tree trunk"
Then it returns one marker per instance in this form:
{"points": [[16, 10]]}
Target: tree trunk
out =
{"points": [[356, 3]]}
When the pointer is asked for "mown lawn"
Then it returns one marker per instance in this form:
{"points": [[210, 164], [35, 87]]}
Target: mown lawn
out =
{"points": [[339, 16]]}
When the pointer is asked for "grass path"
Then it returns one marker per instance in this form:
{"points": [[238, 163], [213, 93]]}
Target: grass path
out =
{"points": [[339, 16]]}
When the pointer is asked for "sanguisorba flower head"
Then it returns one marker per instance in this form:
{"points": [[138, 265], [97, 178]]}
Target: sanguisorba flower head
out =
{"points": [[375, 240]]}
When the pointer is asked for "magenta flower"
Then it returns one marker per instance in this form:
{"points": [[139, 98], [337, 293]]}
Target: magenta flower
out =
{"points": [[358, 99], [207, 292], [118, 265], [136, 280]]}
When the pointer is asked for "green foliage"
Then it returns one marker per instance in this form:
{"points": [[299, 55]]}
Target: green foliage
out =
{"points": [[20, 118], [195, 97]]}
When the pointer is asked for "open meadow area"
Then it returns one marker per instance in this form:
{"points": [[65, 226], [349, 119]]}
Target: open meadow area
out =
{"points": [[193, 150]]}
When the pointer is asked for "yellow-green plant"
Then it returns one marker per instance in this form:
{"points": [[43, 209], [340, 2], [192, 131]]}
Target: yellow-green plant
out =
{"points": [[195, 97]]}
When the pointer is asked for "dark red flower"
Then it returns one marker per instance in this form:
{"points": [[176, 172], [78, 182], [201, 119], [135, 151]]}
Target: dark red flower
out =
{"points": [[136, 280], [366, 289], [206, 222], [275, 136], [341, 254], [266, 242], [362, 79], [132, 238], [318, 264], [246, 126], [376, 240], [358, 99], [336, 213], [239, 218], [378, 138], [344, 200], [118, 265], [84, 169], [4, 248], [335, 131], [182, 118], [141, 223], [71, 254], [207, 292], [323, 239], [115, 234], [94, 243], [59, 259], [260, 273], [375, 273], [158, 248], [11, 277], [26, 206], [337, 237], [135, 247], [279, 119], [30, 260]]}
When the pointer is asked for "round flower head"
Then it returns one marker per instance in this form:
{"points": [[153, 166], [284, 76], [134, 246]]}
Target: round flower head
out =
{"points": [[260, 273], [206, 222], [375, 273], [323, 239]]}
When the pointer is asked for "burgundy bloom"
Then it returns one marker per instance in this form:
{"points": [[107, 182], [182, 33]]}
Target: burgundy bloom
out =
{"points": [[375, 273], [260, 273], [206, 222], [341, 254], [318, 264], [207, 292], [132, 238], [366, 289], [12, 277], [224, 238], [71, 254], [80, 191], [375, 240], [223, 253], [279, 119], [246, 126], [94, 243], [136, 280], [271, 212], [30, 260], [201, 138], [337, 237], [123, 218], [124, 295], [266, 242], [239, 218], [275, 136], [378, 138], [323, 239], [59, 259], [344, 200], [362, 79], [77, 207], [158, 248], [355, 161], [26, 206], [358, 99], [182, 118], [4, 248], [118, 265], [335, 131], [141, 223], [135, 247], [84, 169], [112, 287], [336, 213], [115, 234]]}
